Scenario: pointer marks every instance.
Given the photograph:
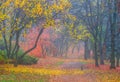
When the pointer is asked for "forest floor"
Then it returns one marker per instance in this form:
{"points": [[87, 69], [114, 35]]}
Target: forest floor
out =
{"points": [[53, 69]]}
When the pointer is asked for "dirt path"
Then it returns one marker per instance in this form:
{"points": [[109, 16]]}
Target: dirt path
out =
{"points": [[73, 65], [74, 78], [68, 65], [89, 72]]}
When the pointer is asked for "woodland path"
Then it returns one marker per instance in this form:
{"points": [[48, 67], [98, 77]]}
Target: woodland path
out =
{"points": [[89, 72], [73, 64]]}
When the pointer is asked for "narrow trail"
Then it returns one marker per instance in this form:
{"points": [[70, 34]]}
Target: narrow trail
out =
{"points": [[73, 64], [74, 78], [68, 65]]}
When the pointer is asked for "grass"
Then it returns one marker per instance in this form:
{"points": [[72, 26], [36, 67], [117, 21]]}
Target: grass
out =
{"points": [[108, 76], [100, 76], [23, 77], [42, 71], [55, 65], [59, 63], [29, 74]]}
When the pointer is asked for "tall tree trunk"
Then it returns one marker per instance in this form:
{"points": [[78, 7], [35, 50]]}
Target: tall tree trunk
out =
{"points": [[101, 53], [117, 62], [113, 19], [87, 51], [96, 54], [73, 49], [112, 59]]}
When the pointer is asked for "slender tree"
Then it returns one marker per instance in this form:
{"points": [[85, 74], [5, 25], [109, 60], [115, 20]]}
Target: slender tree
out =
{"points": [[17, 16]]}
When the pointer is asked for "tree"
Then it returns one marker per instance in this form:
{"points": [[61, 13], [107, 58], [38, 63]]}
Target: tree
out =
{"points": [[18, 16], [113, 23], [80, 32]]}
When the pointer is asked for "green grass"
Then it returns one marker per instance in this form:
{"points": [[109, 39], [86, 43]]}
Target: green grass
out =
{"points": [[55, 64], [26, 77], [59, 63]]}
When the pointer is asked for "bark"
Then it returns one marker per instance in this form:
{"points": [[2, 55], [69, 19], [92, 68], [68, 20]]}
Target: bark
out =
{"points": [[117, 62], [35, 45], [87, 51], [6, 45], [16, 49], [73, 49], [96, 54], [112, 59], [112, 29], [101, 53]]}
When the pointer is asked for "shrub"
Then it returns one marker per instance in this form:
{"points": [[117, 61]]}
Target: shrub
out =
{"points": [[28, 60], [2, 59], [2, 46], [3, 53]]}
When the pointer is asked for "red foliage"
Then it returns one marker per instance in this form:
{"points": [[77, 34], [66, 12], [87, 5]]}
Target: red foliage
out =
{"points": [[102, 67], [44, 40]]}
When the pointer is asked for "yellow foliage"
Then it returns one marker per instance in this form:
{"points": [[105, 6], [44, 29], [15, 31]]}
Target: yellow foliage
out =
{"points": [[41, 71], [79, 33], [107, 76], [16, 28], [0, 35], [17, 3], [24, 13], [37, 10], [61, 5], [3, 29], [49, 23], [6, 3], [2, 16], [71, 17]]}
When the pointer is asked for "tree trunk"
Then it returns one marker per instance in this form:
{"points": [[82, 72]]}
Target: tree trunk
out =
{"points": [[101, 53], [96, 55], [87, 51], [112, 59], [35, 45], [16, 63], [113, 19], [73, 49], [117, 62]]}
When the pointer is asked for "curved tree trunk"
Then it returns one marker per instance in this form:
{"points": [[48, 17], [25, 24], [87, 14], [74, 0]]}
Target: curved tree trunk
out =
{"points": [[35, 45]]}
